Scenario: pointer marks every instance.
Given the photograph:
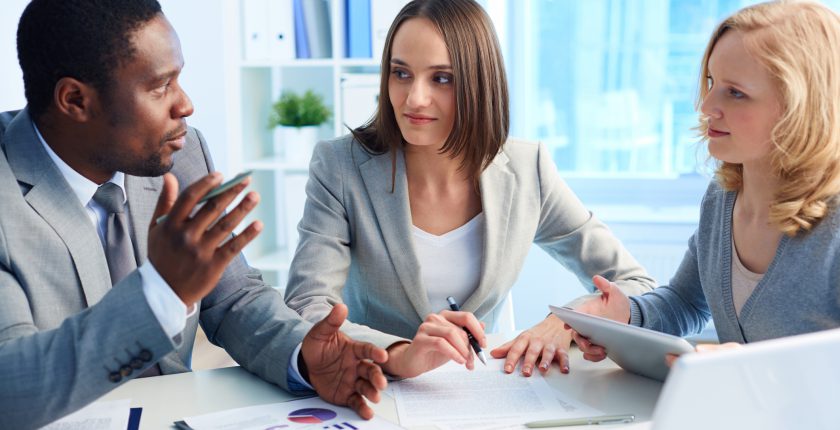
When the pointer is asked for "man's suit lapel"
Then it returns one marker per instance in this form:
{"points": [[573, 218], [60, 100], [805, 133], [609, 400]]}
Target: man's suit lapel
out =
{"points": [[393, 215], [53, 199], [497, 184]]}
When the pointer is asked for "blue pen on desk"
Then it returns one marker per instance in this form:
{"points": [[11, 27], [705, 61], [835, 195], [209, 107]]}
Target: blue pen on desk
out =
{"points": [[454, 306]]}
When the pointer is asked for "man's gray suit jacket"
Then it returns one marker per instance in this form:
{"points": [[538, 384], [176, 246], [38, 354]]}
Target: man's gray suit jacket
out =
{"points": [[64, 330]]}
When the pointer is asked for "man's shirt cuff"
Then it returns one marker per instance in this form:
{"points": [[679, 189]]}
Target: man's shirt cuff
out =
{"points": [[168, 308], [294, 378]]}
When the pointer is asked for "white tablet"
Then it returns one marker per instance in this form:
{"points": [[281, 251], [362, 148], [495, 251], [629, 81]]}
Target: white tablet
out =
{"points": [[635, 349]]}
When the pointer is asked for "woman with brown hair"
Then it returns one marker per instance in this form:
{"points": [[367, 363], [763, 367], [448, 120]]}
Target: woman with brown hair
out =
{"points": [[431, 199]]}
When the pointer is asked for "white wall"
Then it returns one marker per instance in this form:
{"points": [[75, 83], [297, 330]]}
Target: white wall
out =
{"points": [[199, 25], [11, 80]]}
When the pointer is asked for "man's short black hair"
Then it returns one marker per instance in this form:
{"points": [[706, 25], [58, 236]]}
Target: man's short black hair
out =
{"points": [[82, 39]]}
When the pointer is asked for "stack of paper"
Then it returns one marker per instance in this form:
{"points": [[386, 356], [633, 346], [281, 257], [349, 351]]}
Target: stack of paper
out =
{"points": [[486, 397], [104, 415]]}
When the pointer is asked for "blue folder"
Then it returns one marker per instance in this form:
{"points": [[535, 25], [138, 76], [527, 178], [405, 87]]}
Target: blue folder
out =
{"points": [[301, 41], [357, 41]]}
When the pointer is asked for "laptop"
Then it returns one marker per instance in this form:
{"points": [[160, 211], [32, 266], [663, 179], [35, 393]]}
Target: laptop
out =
{"points": [[786, 383]]}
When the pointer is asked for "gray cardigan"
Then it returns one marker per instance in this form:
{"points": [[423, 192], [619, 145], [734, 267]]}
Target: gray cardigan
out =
{"points": [[799, 293], [356, 246]]}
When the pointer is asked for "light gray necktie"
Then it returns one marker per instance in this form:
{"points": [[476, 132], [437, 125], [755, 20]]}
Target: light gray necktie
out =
{"points": [[120, 253], [118, 248]]}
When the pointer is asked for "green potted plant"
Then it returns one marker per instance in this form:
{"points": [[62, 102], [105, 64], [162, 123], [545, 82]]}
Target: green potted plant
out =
{"points": [[296, 119]]}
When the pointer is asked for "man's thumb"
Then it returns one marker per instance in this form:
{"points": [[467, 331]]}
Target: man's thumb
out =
{"points": [[167, 197], [332, 323]]}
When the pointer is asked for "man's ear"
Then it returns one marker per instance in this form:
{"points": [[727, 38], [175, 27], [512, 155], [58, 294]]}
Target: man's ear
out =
{"points": [[75, 99]]}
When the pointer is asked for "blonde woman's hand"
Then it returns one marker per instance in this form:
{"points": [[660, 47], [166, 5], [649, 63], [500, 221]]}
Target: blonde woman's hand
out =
{"points": [[611, 304], [704, 348], [439, 339]]}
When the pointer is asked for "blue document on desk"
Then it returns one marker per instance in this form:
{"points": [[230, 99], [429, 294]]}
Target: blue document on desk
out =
{"points": [[134, 418]]}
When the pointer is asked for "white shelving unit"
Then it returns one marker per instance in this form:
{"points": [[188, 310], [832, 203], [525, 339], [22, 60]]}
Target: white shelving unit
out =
{"points": [[253, 86]]}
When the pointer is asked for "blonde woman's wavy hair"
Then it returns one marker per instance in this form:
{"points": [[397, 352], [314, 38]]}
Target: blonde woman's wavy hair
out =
{"points": [[799, 43]]}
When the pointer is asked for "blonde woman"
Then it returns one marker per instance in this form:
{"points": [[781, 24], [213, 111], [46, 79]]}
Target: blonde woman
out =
{"points": [[765, 260], [431, 199]]}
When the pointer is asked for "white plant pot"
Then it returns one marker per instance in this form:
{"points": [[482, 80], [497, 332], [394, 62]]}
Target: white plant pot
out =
{"points": [[295, 143]]}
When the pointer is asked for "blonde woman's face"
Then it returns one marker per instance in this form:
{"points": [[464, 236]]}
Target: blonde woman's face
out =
{"points": [[742, 106], [421, 89]]}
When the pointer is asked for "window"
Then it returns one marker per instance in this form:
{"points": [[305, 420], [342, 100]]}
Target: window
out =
{"points": [[609, 85]]}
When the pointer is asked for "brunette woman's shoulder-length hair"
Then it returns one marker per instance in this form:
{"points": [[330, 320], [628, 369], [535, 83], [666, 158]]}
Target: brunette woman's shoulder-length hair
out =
{"points": [[482, 117], [798, 42]]}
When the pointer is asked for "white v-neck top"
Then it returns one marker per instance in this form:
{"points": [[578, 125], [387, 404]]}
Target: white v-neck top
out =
{"points": [[744, 281], [450, 264]]}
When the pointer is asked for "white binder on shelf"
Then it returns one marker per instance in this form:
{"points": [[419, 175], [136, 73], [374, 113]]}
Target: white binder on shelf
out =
{"points": [[359, 98], [281, 30], [382, 14], [255, 30]]}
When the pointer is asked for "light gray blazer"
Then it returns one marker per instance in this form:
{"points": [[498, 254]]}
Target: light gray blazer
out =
{"points": [[356, 245], [63, 329]]}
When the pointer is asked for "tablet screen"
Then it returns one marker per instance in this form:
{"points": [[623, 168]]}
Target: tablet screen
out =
{"points": [[635, 349]]}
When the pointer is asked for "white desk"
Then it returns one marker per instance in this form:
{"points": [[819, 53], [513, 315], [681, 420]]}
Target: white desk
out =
{"points": [[170, 398]]}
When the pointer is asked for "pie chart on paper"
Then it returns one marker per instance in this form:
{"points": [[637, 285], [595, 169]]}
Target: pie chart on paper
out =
{"points": [[311, 415]]}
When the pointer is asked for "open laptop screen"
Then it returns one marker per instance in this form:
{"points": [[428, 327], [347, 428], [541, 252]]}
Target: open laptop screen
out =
{"points": [[786, 383]]}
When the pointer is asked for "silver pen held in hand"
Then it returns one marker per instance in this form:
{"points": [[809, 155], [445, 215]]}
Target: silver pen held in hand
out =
{"points": [[474, 343]]}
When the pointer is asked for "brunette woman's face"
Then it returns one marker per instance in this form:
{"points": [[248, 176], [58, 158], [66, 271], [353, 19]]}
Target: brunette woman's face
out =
{"points": [[420, 86]]}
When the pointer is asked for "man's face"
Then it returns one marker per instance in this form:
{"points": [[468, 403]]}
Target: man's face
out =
{"points": [[142, 122]]}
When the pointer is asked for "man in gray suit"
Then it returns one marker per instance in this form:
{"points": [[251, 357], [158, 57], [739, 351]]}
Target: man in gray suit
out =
{"points": [[93, 290]]}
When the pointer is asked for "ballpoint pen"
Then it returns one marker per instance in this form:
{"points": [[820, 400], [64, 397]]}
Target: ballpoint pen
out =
{"points": [[454, 306], [603, 419]]}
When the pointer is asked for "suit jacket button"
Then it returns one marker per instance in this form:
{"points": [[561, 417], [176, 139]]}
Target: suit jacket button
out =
{"points": [[114, 377], [125, 371], [145, 355], [136, 363]]}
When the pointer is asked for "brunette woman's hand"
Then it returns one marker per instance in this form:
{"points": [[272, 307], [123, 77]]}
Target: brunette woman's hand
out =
{"points": [[439, 339], [543, 343]]}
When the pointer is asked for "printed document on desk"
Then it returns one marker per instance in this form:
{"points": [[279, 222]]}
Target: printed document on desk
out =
{"points": [[453, 396], [104, 415], [311, 413]]}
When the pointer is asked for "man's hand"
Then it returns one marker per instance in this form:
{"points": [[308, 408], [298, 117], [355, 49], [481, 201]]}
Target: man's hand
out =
{"points": [[545, 342], [340, 369], [192, 252]]}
